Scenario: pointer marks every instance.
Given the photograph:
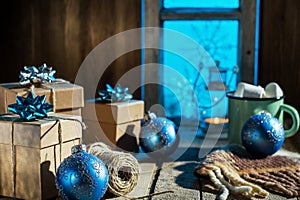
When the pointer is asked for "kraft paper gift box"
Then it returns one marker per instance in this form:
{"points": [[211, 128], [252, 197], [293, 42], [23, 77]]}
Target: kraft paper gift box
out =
{"points": [[113, 122], [64, 96], [32, 151]]}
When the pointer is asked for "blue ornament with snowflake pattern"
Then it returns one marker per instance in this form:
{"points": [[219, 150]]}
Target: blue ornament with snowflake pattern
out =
{"points": [[158, 137], [82, 176], [262, 135]]}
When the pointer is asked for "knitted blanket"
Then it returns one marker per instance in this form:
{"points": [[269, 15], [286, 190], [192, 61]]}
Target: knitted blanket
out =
{"points": [[238, 174]]}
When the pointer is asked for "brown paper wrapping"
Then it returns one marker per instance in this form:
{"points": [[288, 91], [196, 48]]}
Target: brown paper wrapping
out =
{"points": [[63, 96], [75, 111], [114, 113], [112, 134], [117, 123], [31, 153]]}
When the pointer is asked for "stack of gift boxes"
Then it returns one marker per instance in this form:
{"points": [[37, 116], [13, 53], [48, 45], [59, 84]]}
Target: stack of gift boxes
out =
{"points": [[31, 151]]}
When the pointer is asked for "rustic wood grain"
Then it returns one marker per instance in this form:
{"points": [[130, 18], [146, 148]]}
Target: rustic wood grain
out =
{"points": [[280, 47], [62, 33]]}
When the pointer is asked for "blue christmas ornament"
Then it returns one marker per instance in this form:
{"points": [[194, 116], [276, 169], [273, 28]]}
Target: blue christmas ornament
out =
{"points": [[31, 107], [158, 136], [82, 176], [262, 135]]}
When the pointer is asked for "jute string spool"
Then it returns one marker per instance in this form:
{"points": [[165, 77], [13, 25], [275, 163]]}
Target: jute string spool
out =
{"points": [[123, 168]]}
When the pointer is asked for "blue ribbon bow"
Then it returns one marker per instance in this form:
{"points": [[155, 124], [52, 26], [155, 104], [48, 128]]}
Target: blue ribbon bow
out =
{"points": [[31, 107], [113, 95], [33, 75]]}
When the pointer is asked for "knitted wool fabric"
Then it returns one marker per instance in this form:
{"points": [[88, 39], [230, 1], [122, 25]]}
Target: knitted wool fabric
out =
{"points": [[237, 174]]}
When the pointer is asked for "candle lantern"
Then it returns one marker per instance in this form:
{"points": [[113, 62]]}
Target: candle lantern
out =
{"points": [[214, 112], [217, 78]]}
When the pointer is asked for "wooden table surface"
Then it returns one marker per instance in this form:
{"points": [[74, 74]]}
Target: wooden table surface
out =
{"points": [[175, 179]]}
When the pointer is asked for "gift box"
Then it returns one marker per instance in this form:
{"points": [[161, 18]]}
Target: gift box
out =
{"points": [[32, 151], [113, 122], [116, 112], [116, 135], [63, 95]]}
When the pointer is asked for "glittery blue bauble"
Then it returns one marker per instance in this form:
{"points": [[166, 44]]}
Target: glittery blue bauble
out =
{"points": [[158, 135], [262, 135], [81, 176]]}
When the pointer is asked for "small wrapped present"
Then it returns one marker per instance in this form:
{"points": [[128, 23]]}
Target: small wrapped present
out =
{"points": [[116, 135], [63, 95], [111, 121], [116, 112]]}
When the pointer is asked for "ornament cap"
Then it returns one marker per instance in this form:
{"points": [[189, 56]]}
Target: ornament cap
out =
{"points": [[151, 115], [78, 148]]}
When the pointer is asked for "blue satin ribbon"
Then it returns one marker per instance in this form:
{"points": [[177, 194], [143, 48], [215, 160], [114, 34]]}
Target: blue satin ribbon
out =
{"points": [[31, 107], [33, 75], [114, 95]]}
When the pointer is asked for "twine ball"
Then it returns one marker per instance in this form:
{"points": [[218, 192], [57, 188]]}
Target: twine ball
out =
{"points": [[123, 168]]}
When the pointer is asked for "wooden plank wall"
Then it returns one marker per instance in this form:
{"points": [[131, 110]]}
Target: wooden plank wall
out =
{"points": [[62, 33], [280, 47]]}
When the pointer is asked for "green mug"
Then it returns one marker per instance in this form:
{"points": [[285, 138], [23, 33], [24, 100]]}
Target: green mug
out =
{"points": [[240, 109]]}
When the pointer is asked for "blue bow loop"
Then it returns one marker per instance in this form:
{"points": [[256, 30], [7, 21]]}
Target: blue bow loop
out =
{"points": [[114, 95], [31, 107], [33, 75]]}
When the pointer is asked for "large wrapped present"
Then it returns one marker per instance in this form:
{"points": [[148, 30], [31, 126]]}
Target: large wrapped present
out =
{"points": [[32, 151], [113, 118]]}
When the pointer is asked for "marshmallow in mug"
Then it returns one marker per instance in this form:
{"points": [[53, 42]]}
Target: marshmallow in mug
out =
{"points": [[272, 90], [248, 90]]}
